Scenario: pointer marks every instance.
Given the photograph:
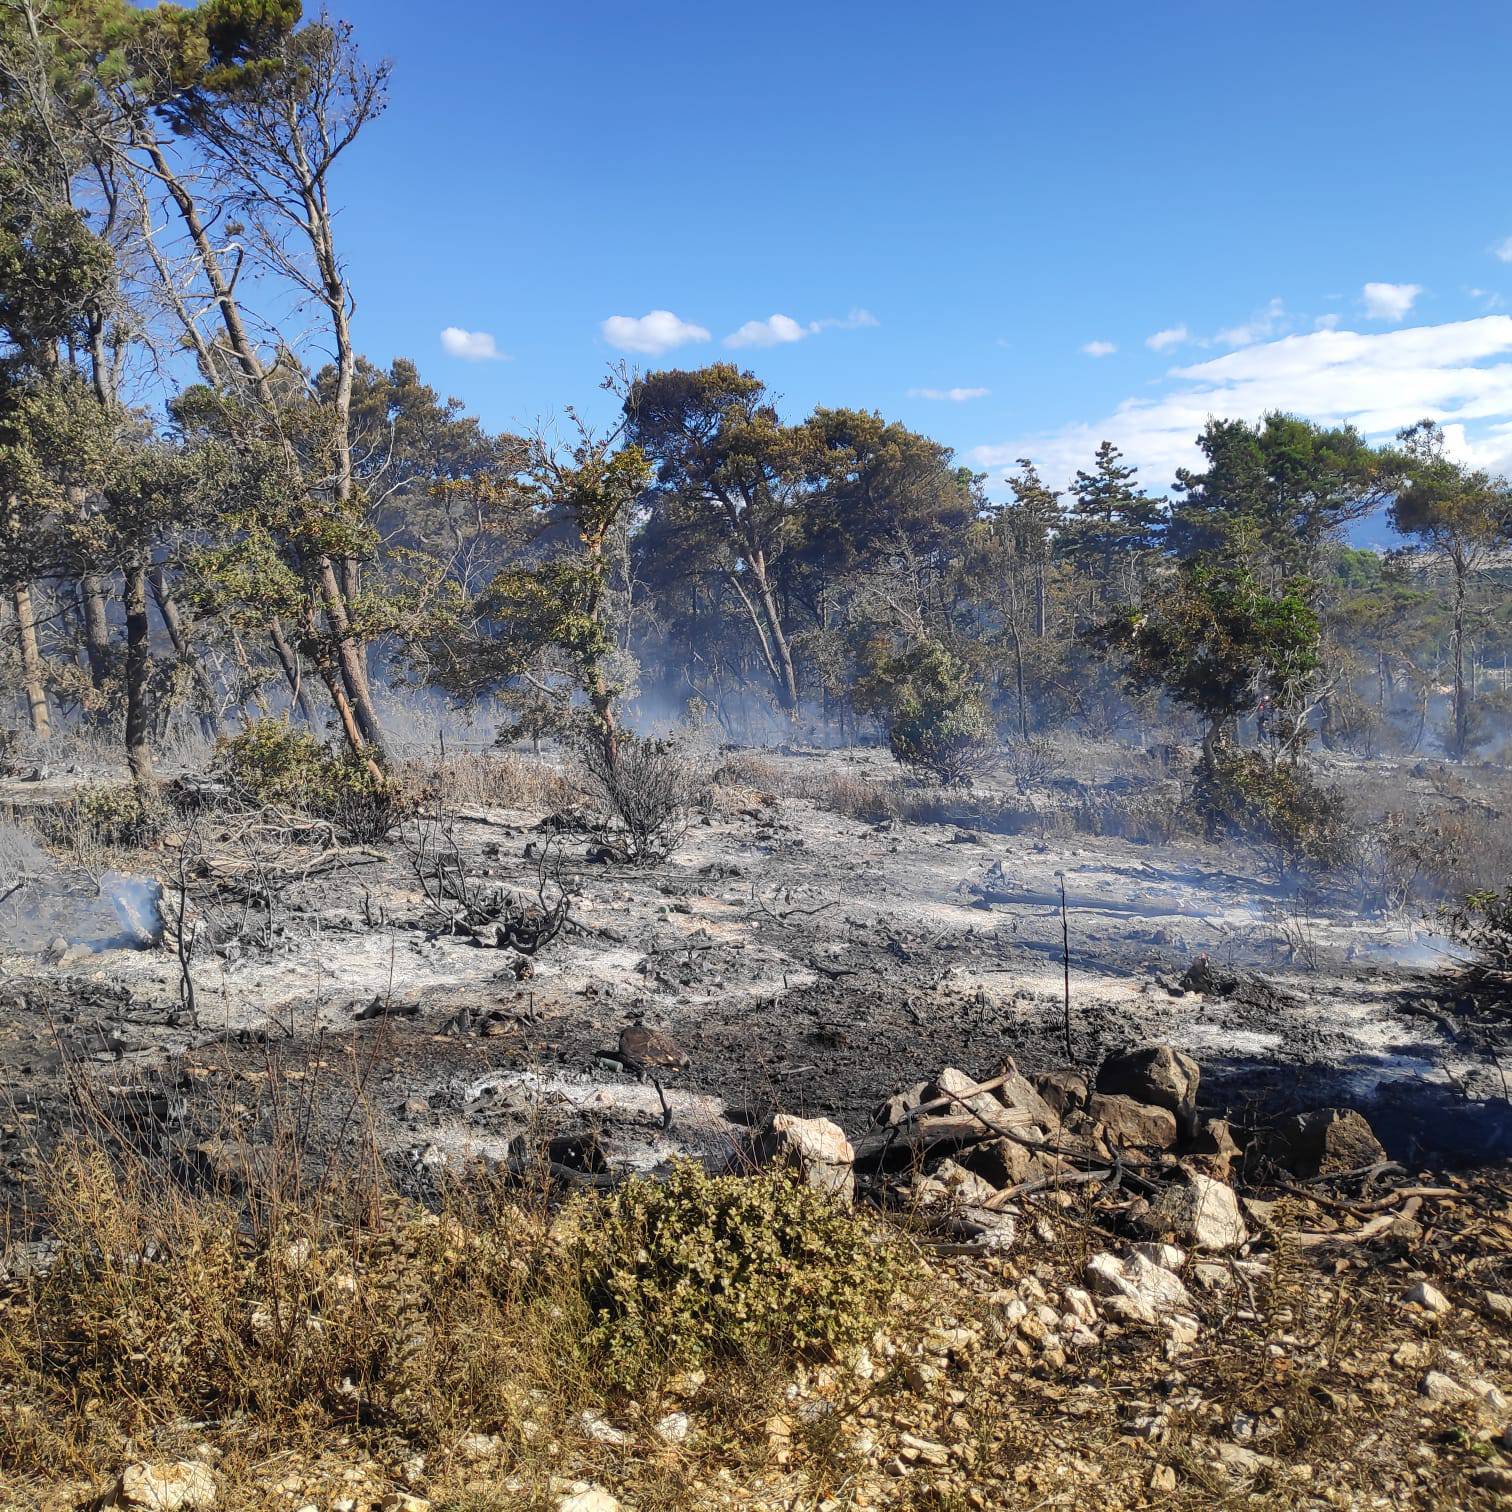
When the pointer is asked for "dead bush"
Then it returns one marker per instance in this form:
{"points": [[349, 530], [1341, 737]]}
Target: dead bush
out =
{"points": [[643, 790], [1032, 762]]}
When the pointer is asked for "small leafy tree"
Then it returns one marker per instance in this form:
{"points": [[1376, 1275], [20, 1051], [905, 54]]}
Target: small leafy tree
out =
{"points": [[930, 704]]}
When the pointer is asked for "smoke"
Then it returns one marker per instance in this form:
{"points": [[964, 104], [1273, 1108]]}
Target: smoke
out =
{"points": [[52, 912]]}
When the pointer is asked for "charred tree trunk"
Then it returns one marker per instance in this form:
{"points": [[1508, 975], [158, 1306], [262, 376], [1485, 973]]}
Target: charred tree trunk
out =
{"points": [[138, 677], [96, 628]]}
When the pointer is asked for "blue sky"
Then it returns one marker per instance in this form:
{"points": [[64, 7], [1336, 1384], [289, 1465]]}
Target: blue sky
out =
{"points": [[1310, 201]]}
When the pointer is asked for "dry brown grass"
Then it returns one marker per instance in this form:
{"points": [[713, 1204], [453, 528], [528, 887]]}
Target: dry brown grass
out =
{"points": [[491, 779]]}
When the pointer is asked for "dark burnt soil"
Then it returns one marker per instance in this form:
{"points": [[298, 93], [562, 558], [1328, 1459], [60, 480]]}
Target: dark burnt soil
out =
{"points": [[805, 961]]}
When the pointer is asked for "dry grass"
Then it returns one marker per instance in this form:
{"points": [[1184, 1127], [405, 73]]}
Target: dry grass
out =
{"points": [[491, 779]]}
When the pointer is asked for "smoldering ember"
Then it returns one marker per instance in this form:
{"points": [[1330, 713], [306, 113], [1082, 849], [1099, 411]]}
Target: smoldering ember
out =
{"points": [[718, 951]]}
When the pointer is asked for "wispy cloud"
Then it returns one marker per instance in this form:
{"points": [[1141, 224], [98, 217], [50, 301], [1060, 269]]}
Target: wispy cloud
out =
{"points": [[782, 330], [1503, 250], [1099, 348], [1458, 373], [951, 395], [1172, 336], [651, 334], [1261, 326], [471, 346], [1389, 301]]}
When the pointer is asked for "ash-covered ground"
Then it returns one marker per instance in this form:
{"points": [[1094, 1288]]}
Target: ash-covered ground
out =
{"points": [[804, 960]]}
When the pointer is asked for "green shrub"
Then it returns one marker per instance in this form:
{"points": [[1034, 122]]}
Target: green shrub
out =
{"points": [[1275, 804], [1483, 922], [116, 815], [270, 763], [936, 720], [697, 1266]]}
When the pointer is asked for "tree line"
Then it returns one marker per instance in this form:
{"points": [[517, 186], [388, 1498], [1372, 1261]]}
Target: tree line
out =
{"points": [[214, 508]]}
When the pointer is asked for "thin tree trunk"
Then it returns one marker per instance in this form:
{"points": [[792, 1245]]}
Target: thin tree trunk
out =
{"points": [[1461, 702], [173, 621], [290, 664], [138, 677], [31, 662]]}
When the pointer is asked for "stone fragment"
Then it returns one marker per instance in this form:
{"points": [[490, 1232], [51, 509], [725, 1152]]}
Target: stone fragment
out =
{"points": [[1064, 1092], [1158, 1075], [1148, 1291], [1017, 1094], [402, 1501], [1429, 1298], [963, 1187], [894, 1109], [1321, 1143], [1444, 1389], [590, 1499], [999, 1162], [674, 1428], [1125, 1122], [1200, 1211], [815, 1147], [164, 1486]]}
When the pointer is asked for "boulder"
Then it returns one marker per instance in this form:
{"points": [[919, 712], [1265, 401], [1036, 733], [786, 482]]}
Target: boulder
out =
{"points": [[1215, 1148], [164, 1486], [1064, 1092], [957, 1086], [815, 1147], [962, 1187], [1321, 1143], [1148, 1291], [1200, 1211], [1017, 1094], [894, 1109], [999, 1162], [1158, 1075], [1126, 1122]]}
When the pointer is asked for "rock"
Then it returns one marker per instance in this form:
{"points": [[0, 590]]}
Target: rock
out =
{"points": [[999, 1162], [817, 1148], [1163, 1479], [1064, 1092], [1166, 1256], [164, 1486], [674, 1428], [1493, 1478], [402, 1501], [1148, 1290], [1429, 1298], [1215, 1148], [590, 1499], [1498, 1305], [1017, 1094], [1444, 1390], [1080, 1305], [1126, 1122], [1241, 1463], [1199, 1210], [600, 1429], [963, 1187], [1321, 1143], [1158, 1075], [895, 1109]]}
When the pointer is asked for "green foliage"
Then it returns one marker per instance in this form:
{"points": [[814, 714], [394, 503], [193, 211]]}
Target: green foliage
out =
{"points": [[932, 708], [270, 763], [117, 815], [696, 1267], [1274, 804], [1483, 922], [1215, 642]]}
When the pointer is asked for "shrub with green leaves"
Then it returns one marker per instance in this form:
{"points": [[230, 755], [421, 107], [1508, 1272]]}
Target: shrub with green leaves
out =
{"points": [[1275, 804], [271, 763], [677, 1271], [936, 720]]}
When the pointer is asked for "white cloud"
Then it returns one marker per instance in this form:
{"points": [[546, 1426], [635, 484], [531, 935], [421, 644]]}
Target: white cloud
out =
{"points": [[1328, 322], [651, 334], [1099, 348], [1459, 373], [470, 346], [953, 395], [1389, 301], [1172, 336], [781, 330], [1503, 250], [1259, 327], [775, 330]]}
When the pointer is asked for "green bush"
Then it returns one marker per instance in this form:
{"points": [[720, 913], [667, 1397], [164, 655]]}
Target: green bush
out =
{"points": [[270, 763], [696, 1266], [936, 720], [117, 815], [1275, 804]]}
